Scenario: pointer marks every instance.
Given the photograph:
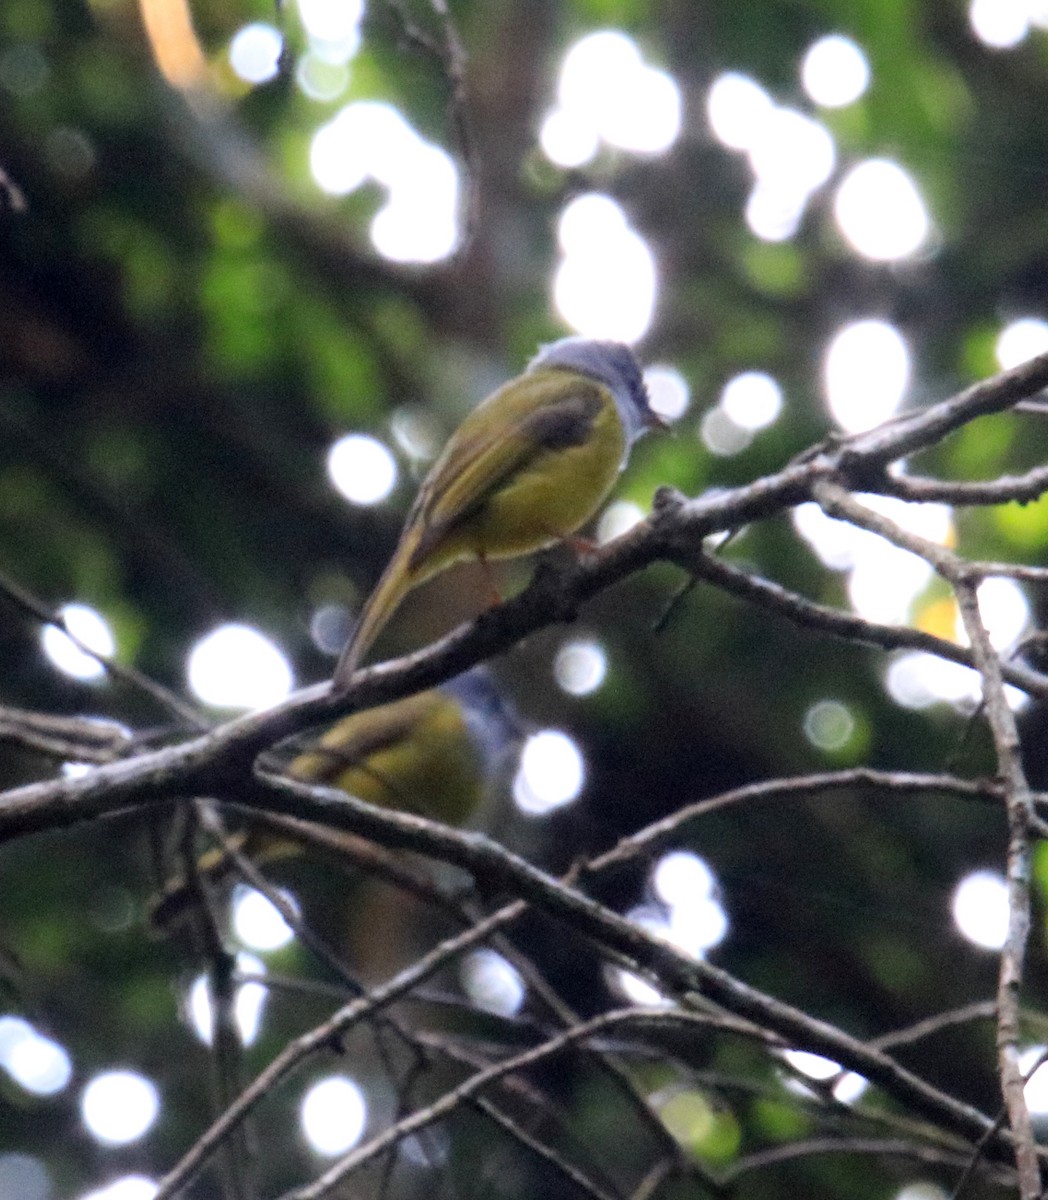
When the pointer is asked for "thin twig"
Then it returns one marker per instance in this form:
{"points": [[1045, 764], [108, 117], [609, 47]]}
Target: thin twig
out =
{"points": [[23, 599], [1004, 489], [963, 579], [69, 739], [451, 1099], [980, 1010]]}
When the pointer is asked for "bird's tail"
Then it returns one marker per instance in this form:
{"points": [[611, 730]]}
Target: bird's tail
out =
{"points": [[397, 580]]}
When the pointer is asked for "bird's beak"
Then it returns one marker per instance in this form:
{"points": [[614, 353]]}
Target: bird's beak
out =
{"points": [[652, 420]]}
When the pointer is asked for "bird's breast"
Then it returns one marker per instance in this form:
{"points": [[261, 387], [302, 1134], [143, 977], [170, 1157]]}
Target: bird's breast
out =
{"points": [[552, 497]]}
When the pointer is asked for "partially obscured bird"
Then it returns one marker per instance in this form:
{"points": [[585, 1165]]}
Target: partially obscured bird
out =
{"points": [[437, 753], [434, 753], [527, 468]]}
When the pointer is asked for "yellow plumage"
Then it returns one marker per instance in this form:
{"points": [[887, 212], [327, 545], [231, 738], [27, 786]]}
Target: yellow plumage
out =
{"points": [[416, 754], [524, 470], [434, 754]]}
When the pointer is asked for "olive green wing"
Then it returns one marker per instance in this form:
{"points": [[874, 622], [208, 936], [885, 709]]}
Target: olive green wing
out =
{"points": [[504, 437], [355, 738]]}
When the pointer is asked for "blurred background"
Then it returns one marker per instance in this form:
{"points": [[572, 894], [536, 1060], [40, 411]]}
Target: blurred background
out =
{"points": [[257, 260]]}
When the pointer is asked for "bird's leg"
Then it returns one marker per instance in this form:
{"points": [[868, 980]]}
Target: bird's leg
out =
{"points": [[581, 546], [495, 596]]}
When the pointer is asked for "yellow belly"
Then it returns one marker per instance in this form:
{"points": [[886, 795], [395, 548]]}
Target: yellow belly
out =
{"points": [[546, 503]]}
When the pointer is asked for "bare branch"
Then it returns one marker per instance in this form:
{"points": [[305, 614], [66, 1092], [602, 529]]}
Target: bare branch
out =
{"points": [[1004, 489], [482, 1079], [23, 599]]}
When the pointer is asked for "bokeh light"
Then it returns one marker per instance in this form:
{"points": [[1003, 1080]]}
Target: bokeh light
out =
{"points": [[774, 213], [1005, 612], [1036, 1088], [416, 432], [835, 71], [681, 877], [333, 25], [362, 469], [885, 581], [721, 436], [690, 918], [815, 1066], [567, 140], [329, 627], [850, 1088], [370, 139], [753, 400], [235, 666], [865, 374], [847, 1089], [127, 1187], [792, 152], [1000, 24], [90, 628], [980, 909], [492, 983], [38, 1064], [1021, 340], [119, 1107], [829, 725], [618, 518], [607, 92], [737, 108], [319, 79], [248, 1003], [605, 285], [917, 680], [580, 666], [922, 1191], [551, 773], [254, 52], [668, 391], [257, 922], [880, 211], [333, 1115]]}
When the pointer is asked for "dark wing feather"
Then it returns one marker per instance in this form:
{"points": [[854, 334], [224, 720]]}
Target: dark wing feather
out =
{"points": [[491, 447]]}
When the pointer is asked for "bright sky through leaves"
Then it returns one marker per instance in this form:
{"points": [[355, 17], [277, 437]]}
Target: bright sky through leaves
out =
{"points": [[668, 391], [333, 1115], [257, 922], [248, 1002], [606, 92], [236, 666], [880, 211], [606, 283], [835, 71], [980, 909], [119, 1107], [37, 1063], [371, 139], [362, 469], [492, 983], [89, 627], [1021, 340], [865, 373], [551, 774], [580, 666], [254, 52]]}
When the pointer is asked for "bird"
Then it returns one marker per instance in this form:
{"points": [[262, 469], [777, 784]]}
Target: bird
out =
{"points": [[438, 753], [527, 468], [433, 753]]}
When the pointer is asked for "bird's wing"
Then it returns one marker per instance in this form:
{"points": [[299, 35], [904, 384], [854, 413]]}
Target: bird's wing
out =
{"points": [[355, 738], [504, 437]]}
